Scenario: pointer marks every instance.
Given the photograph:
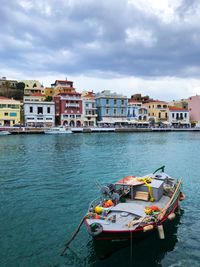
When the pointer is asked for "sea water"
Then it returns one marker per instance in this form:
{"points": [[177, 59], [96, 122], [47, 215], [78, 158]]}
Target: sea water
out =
{"points": [[47, 182]]}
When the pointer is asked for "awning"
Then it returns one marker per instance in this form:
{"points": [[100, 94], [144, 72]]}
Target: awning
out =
{"points": [[166, 122]]}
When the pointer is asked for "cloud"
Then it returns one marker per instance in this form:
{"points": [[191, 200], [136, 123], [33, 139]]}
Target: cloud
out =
{"points": [[106, 39]]}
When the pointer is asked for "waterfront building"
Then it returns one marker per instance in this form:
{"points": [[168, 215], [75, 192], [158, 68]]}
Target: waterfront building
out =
{"points": [[158, 112], [111, 108], [179, 103], [179, 117], [39, 114], [36, 97], [59, 87], [68, 109], [33, 86], [89, 109], [140, 98], [137, 112], [194, 108], [9, 111]]}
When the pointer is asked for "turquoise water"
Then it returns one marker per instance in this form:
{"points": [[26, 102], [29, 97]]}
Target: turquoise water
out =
{"points": [[47, 182]]}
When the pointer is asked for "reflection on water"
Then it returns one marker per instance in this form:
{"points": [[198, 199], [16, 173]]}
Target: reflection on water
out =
{"points": [[141, 253], [147, 252]]}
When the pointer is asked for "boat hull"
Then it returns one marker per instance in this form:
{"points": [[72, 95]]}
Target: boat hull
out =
{"points": [[138, 233]]}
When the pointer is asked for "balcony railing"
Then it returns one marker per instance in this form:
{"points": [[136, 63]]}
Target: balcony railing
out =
{"points": [[72, 105]]}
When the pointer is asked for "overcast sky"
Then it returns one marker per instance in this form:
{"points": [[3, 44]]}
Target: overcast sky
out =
{"points": [[127, 46]]}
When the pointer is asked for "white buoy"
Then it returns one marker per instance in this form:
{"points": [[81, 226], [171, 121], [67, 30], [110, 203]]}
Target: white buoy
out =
{"points": [[171, 216], [161, 232]]}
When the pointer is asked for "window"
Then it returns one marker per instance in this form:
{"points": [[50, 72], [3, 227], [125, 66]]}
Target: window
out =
{"points": [[31, 109], [115, 101], [40, 110], [159, 115], [115, 111], [185, 115], [122, 111], [158, 106], [122, 101], [6, 114], [107, 111], [166, 115], [172, 115], [107, 101], [48, 109]]}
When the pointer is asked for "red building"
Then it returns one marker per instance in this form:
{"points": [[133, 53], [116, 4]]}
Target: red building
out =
{"points": [[68, 109]]}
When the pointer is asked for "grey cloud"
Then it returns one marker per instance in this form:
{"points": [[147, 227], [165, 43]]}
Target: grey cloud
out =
{"points": [[90, 37]]}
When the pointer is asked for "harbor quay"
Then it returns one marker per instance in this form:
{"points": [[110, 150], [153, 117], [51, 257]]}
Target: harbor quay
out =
{"points": [[37, 130]]}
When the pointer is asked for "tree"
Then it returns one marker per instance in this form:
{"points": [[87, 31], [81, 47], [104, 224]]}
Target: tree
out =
{"points": [[48, 98], [20, 86]]}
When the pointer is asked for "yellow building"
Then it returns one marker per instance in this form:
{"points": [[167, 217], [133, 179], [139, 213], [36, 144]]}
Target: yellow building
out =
{"points": [[158, 111], [32, 87], [59, 87], [9, 111]]}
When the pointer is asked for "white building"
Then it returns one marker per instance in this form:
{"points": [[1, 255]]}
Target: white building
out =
{"points": [[178, 117], [89, 109], [137, 112], [39, 114]]}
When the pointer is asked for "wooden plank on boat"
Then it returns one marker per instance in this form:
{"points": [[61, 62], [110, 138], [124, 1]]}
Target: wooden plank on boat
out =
{"points": [[130, 180], [140, 195], [163, 212]]}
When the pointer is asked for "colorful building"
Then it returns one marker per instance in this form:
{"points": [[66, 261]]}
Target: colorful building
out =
{"points": [[35, 97], [194, 108], [178, 117], [59, 87], [39, 114], [9, 111], [137, 111], [89, 109], [158, 112], [32, 87], [68, 109], [111, 108]]}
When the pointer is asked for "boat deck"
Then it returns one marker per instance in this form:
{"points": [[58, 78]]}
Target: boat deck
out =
{"points": [[126, 212]]}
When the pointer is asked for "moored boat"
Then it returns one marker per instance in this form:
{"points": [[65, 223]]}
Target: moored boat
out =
{"points": [[58, 130], [4, 132], [134, 207]]}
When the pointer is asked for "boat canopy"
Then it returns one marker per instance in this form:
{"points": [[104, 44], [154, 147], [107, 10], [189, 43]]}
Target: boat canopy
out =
{"points": [[129, 180]]}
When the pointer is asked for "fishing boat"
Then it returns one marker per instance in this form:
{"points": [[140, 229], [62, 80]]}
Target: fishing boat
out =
{"points": [[58, 130], [134, 207], [4, 132]]}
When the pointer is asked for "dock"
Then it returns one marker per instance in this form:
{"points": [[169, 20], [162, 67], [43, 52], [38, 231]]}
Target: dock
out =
{"points": [[32, 130]]}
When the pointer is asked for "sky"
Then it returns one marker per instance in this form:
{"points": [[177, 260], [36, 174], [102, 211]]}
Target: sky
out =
{"points": [[126, 46]]}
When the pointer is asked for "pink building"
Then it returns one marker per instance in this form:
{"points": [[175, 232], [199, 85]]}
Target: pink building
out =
{"points": [[194, 108], [68, 109]]}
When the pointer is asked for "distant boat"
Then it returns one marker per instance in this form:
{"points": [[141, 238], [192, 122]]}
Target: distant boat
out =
{"points": [[4, 133], [134, 206], [58, 130]]}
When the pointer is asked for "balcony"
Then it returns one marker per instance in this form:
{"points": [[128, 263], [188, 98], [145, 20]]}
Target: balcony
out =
{"points": [[72, 105], [90, 115]]}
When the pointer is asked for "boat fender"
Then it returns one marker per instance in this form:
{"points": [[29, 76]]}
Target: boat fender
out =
{"points": [[95, 229], [181, 196], [147, 228], [171, 216], [161, 232]]}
